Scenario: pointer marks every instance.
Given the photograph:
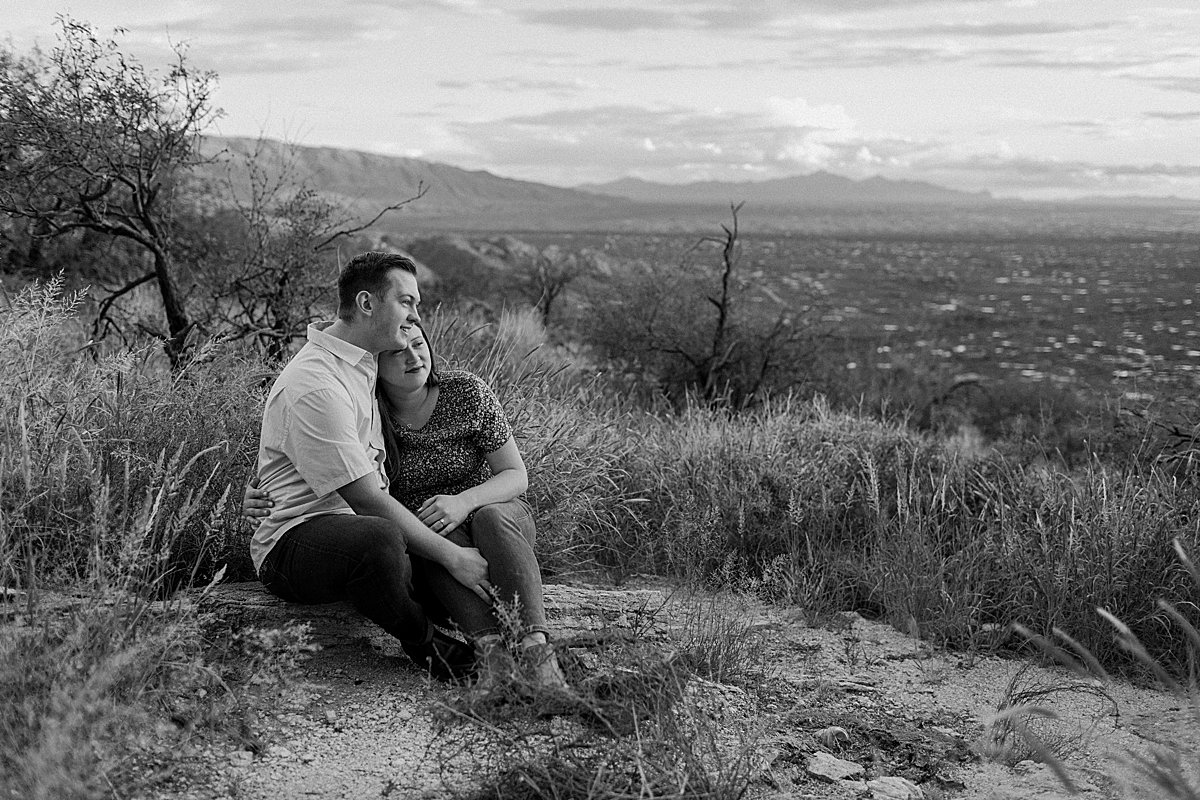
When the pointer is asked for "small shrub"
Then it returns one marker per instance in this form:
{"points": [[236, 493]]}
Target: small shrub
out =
{"points": [[652, 719]]}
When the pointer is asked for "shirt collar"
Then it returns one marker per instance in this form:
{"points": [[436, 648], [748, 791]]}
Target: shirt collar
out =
{"points": [[351, 353]]}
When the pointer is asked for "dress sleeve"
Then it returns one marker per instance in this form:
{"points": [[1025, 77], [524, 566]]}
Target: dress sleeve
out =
{"points": [[494, 429]]}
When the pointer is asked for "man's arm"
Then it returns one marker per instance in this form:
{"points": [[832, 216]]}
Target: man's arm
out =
{"points": [[366, 497]]}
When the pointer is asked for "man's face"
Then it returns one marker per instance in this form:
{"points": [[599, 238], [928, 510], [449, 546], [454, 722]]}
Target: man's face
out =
{"points": [[395, 311]]}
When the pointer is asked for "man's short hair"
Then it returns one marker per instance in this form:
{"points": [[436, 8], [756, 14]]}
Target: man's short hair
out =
{"points": [[367, 272]]}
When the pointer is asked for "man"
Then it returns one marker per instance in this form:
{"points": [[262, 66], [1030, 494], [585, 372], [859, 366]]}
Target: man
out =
{"points": [[334, 532]]}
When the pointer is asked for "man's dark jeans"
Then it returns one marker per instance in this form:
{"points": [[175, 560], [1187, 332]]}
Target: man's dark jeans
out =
{"points": [[350, 557], [364, 560]]}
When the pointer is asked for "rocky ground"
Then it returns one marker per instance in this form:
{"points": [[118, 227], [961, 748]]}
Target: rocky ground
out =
{"points": [[848, 708]]}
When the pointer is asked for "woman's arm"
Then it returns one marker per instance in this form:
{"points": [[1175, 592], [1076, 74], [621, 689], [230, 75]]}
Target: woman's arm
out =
{"points": [[509, 480]]}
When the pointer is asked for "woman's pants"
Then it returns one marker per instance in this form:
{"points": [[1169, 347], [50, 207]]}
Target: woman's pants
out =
{"points": [[504, 534]]}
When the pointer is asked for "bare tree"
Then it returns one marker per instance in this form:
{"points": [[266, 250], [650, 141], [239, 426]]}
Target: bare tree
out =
{"points": [[747, 342], [91, 140], [268, 272], [543, 275]]}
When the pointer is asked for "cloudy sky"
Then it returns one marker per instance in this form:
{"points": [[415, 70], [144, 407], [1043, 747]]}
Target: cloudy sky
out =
{"points": [[1028, 98]]}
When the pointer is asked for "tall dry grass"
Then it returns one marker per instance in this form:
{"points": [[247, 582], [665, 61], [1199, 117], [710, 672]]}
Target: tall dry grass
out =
{"points": [[111, 460], [120, 480], [1164, 770], [115, 486], [831, 510]]}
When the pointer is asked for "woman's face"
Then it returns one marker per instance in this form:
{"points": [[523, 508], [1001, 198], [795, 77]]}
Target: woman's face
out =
{"points": [[408, 369]]}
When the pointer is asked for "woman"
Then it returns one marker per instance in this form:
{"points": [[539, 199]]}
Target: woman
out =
{"points": [[452, 461]]}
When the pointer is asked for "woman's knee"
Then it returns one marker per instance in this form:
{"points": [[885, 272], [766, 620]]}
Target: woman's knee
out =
{"points": [[512, 520]]}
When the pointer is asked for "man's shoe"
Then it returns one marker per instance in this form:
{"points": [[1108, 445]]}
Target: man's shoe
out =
{"points": [[495, 671], [443, 657], [495, 668]]}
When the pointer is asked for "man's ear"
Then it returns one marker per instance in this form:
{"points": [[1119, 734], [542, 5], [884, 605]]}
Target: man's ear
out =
{"points": [[364, 302]]}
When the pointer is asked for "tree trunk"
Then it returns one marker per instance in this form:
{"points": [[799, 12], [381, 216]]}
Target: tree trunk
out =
{"points": [[178, 324], [34, 258]]}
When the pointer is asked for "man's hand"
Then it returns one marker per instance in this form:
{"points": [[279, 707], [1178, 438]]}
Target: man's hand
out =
{"points": [[256, 503], [444, 512], [470, 568], [366, 496]]}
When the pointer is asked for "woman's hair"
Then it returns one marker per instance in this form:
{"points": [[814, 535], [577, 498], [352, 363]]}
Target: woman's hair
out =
{"points": [[434, 376], [390, 445]]}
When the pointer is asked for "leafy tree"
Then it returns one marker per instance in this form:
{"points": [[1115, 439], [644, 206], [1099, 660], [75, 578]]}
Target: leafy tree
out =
{"points": [[90, 140]]}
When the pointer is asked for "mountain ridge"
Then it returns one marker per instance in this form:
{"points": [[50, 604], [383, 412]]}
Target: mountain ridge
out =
{"points": [[363, 183], [816, 188], [361, 178]]}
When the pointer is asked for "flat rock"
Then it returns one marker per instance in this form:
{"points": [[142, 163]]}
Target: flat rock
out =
{"points": [[894, 788], [569, 610], [832, 768]]}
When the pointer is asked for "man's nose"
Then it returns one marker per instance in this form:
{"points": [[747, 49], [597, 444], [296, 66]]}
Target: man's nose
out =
{"points": [[414, 316]]}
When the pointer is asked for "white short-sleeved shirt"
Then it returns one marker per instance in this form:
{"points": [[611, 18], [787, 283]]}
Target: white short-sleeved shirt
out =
{"points": [[320, 431]]}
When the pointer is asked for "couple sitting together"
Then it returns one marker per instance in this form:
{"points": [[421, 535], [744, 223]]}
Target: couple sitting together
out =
{"points": [[387, 483]]}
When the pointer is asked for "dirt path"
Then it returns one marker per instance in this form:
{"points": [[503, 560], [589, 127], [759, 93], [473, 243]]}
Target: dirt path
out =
{"points": [[896, 708]]}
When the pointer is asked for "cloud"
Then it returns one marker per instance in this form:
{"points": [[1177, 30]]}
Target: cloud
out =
{"points": [[706, 15], [1173, 116], [1175, 83], [773, 18], [256, 41], [1005, 172], [786, 136], [607, 18], [1049, 59], [994, 30], [515, 84], [1085, 127], [680, 15]]}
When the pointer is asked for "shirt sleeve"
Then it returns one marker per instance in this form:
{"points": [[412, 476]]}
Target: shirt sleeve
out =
{"points": [[494, 429], [323, 442]]}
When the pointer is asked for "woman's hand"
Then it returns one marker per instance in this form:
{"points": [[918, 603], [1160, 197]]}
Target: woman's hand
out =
{"points": [[256, 503], [444, 512]]}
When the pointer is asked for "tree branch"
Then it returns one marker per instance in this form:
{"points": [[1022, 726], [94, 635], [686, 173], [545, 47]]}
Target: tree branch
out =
{"points": [[421, 190], [107, 303]]}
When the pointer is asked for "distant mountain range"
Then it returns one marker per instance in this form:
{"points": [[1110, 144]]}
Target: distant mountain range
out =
{"points": [[460, 199], [371, 180], [363, 180], [817, 189]]}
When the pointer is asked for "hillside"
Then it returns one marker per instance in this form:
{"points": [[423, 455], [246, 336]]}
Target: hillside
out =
{"points": [[817, 189], [369, 181]]}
